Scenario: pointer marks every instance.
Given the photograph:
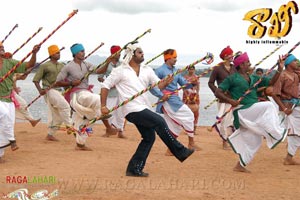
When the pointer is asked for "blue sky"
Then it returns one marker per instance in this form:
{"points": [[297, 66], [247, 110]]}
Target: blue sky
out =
{"points": [[192, 27]]}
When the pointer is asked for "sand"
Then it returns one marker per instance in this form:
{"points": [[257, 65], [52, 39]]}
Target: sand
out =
{"points": [[100, 174]]}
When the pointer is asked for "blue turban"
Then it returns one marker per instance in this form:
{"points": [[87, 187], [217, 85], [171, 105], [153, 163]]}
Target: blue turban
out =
{"points": [[289, 59], [76, 48]]}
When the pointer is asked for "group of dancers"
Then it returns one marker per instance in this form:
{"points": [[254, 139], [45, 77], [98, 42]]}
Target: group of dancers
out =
{"points": [[244, 119]]}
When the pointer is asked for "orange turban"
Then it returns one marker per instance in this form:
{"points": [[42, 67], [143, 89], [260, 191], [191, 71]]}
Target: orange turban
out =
{"points": [[169, 55], [225, 52], [53, 49]]}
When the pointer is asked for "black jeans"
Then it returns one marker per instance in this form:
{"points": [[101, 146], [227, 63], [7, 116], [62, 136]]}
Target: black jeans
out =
{"points": [[148, 122]]}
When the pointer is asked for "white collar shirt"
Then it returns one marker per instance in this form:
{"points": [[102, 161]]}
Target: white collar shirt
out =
{"points": [[128, 84]]}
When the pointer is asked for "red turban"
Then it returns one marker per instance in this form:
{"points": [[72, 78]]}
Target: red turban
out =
{"points": [[7, 55], [225, 52], [114, 49]]}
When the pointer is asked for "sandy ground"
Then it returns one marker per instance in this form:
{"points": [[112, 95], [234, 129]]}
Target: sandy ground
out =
{"points": [[100, 174]]}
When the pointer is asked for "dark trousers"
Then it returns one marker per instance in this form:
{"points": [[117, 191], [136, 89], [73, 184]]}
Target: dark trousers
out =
{"points": [[148, 122]]}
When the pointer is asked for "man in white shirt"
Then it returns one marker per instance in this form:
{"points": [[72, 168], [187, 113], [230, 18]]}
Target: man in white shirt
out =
{"points": [[129, 79]]}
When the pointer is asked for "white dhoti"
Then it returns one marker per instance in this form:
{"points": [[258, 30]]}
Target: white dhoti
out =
{"points": [[258, 121], [7, 122], [22, 112], [59, 111], [117, 119], [292, 122], [87, 107], [225, 127], [182, 118]]}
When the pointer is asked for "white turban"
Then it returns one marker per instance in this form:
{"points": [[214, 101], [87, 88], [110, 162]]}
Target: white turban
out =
{"points": [[129, 52]]}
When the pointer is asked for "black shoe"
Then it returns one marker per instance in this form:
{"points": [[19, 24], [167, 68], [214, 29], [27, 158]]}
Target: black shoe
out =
{"points": [[186, 154], [137, 174]]}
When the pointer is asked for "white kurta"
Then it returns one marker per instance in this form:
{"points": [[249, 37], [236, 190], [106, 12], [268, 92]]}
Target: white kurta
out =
{"points": [[225, 127], [59, 110], [292, 122], [258, 121], [117, 119], [181, 119], [22, 112], [7, 121], [87, 107]]}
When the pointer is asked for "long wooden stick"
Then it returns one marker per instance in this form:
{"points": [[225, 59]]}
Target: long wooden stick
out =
{"points": [[38, 64], [141, 92], [50, 87], [187, 84], [94, 50], [27, 41], [105, 62], [9, 33], [258, 63], [42, 42], [35, 99], [250, 89], [152, 59]]}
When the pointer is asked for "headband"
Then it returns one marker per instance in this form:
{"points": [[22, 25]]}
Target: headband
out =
{"points": [[129, 52], [169, 55]]}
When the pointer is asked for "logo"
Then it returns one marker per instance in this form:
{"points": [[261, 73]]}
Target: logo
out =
{"points": [[30, 180], [281, 21]]}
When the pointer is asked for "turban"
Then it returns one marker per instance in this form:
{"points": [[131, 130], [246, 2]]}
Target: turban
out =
{"points": [[129, 52], [240, 59], [53, 49], [289, 59], [169, 55], [114, 49], [7, 55], [225, 52], [76, 48]]}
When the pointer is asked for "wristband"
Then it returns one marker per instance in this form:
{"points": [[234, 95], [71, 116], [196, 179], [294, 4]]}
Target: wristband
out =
{"points": [[103, 106]]}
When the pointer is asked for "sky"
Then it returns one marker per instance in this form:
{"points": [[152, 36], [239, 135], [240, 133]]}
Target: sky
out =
{"points": [[192, 27]]}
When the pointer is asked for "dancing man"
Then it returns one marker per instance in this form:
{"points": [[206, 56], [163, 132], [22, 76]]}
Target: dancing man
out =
{"points": [[253, 120], [7, 99], [130, 78], [286, 95]]}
